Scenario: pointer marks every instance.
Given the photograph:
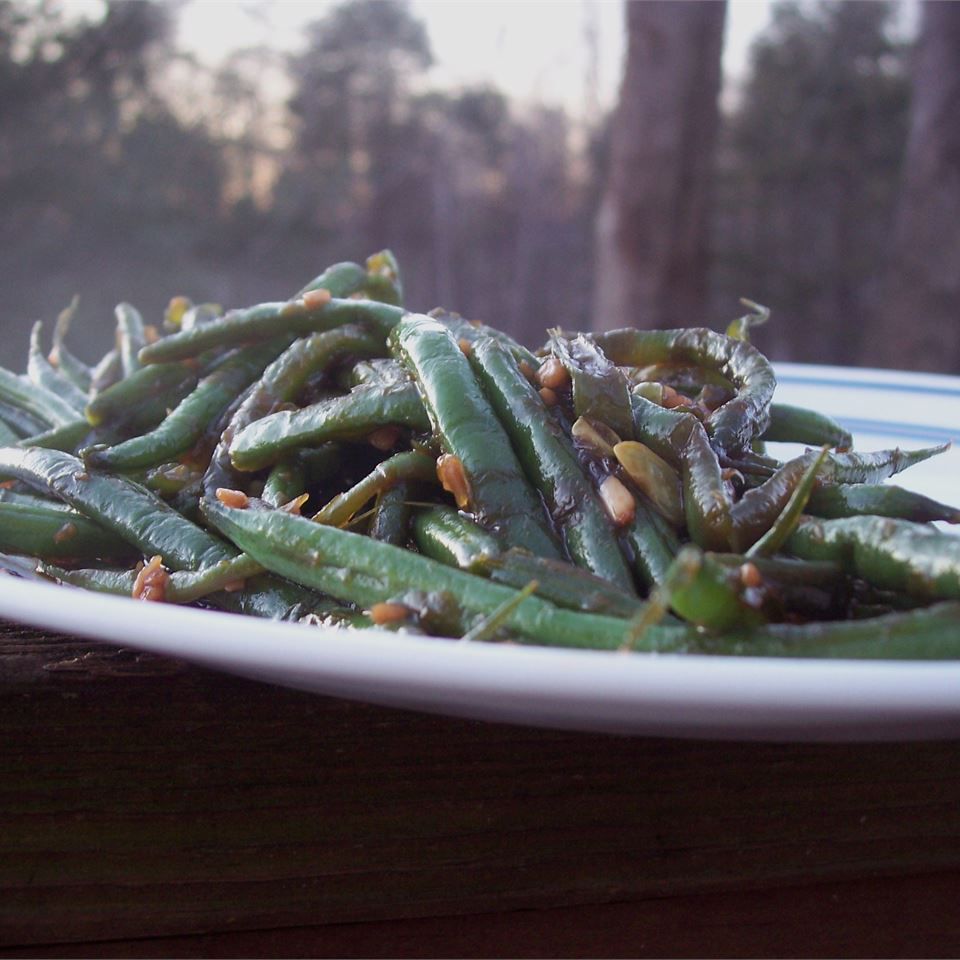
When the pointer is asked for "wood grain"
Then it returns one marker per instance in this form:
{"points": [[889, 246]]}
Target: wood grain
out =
{"points": [[143, 798], [893, 917]]}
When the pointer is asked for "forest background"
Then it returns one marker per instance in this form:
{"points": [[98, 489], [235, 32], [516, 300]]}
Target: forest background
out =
{"points": [[827, 187]]}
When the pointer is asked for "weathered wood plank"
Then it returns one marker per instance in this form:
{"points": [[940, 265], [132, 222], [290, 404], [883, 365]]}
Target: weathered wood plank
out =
{"points": [[141, 797], [892, 917]]}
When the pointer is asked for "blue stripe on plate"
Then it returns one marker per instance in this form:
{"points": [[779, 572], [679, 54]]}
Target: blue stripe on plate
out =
{"points": [[869, 385], [915, 431]]}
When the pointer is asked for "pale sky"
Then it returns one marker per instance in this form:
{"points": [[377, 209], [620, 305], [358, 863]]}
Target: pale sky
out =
{"points": [[536, 51]]}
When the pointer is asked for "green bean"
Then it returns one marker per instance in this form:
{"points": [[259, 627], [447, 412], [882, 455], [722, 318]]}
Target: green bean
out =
{"points": [[787, 521], [271, 598], [123, 400], [550, 462], [131, 511], [680, 439], [188, 586], [786, 569], [43, 374], [71, 368], [67, 438], [280, 383], [8, 437], [183, 314], [107, 372], [790, 424], [664, 431], [187, 501], [98, 580], [356, 569], [74, 370], [758, 509], [708, 593], [911, 558], [341, 279], [284, 378], [705, 502], [497, 493], [451, 538], [410, 465], [753, 463], [600, 390], [140, 518], [382, 280], [564, 585], [928, 634], [20, 422], [489, 626], [740, 328], [790, 587], [170, 479], [380, 371], [835, 501], [184, 426], [470, 331], [839, 467], [350, 417], [269, 320], [736, 423], [37, 402], [874, 467], [286, 481], [34, 499], [391, 516], [379, 280], [322, 463], [797, 590], [653, 613], [131, 337], [652, 543], [38, 530]]}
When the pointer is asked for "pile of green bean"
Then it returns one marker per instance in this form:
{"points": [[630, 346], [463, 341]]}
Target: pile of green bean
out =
{"points": [[334, 458]]}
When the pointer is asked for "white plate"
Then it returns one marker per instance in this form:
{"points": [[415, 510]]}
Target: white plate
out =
{"points": [[692, 696]]}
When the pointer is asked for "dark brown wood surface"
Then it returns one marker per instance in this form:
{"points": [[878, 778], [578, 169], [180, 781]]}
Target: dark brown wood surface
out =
{"points": [[151, 808]]}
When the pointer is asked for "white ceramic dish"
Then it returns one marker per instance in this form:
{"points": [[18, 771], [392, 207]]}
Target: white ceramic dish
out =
{"points": [[709, 697]]}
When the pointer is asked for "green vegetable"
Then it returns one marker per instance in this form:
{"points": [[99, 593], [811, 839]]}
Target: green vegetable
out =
{"points": [[736, 423], [497, 493], [797, 425], [349, 417], [598, 468], [187, 422], [550, 463]]}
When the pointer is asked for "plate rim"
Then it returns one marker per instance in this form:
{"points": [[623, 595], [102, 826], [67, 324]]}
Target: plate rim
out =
{"points": [[765, 697]]}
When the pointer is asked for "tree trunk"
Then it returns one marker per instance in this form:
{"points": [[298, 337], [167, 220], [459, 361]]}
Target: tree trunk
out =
{"points": [[919, 322], [653, 222]]}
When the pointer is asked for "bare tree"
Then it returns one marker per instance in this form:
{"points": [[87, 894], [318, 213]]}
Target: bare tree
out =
{"points": [[919, 322], [653, 222]]}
